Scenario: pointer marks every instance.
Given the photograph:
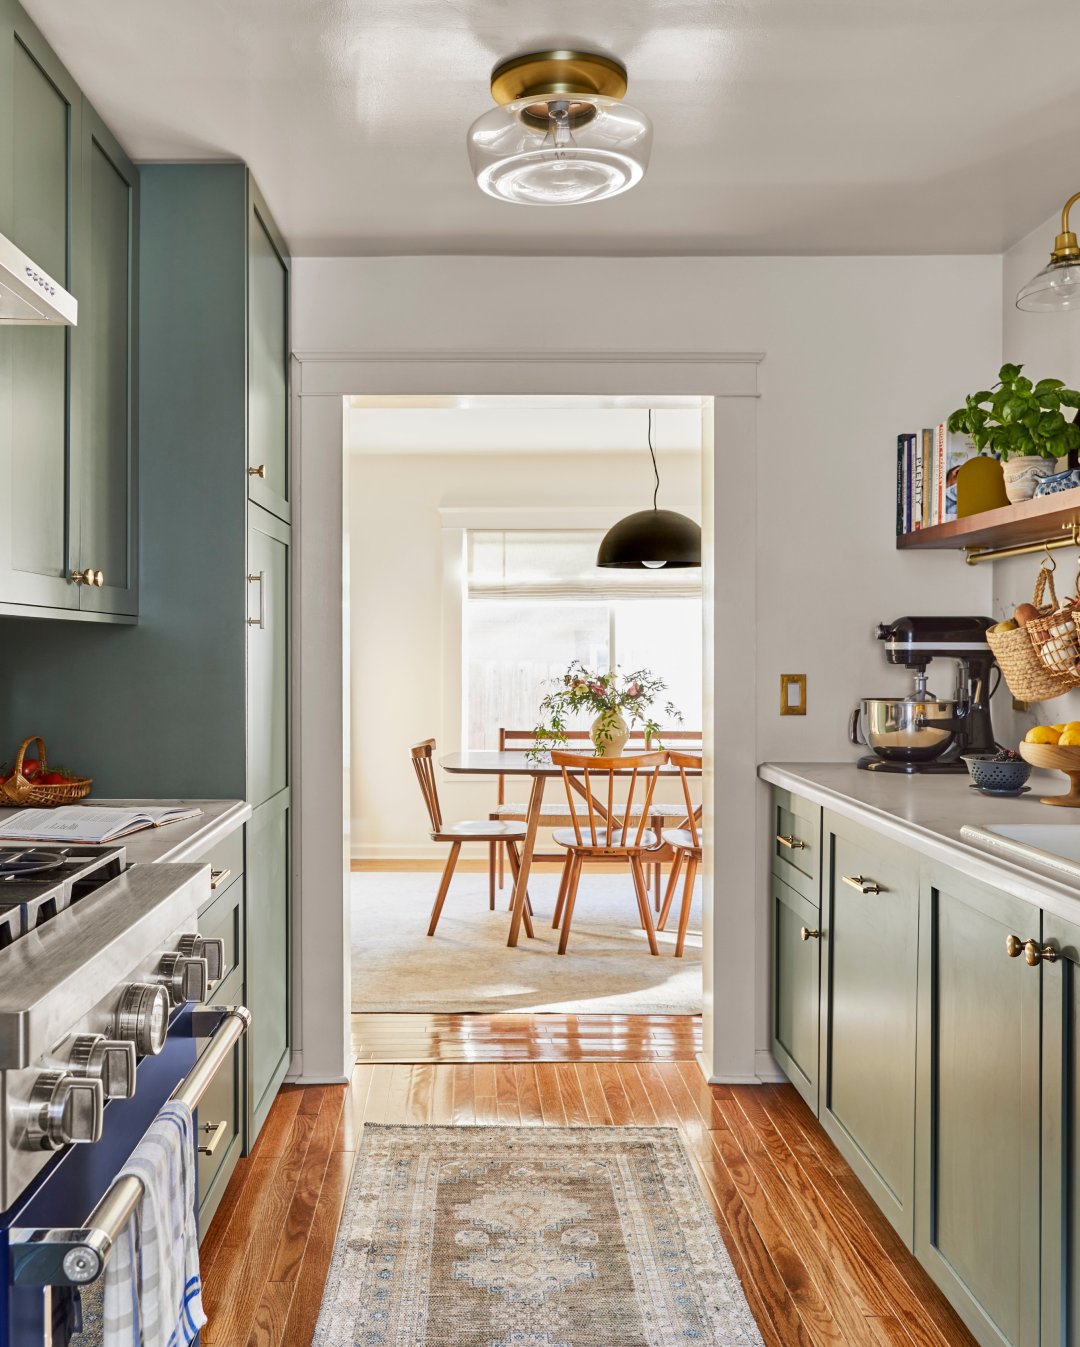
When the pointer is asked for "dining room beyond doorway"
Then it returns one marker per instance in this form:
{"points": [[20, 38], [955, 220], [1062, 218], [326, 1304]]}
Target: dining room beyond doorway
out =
{"points": [[475, 594]]}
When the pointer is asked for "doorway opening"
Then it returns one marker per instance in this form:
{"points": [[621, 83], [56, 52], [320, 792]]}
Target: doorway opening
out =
{"points": [[473, 524]]}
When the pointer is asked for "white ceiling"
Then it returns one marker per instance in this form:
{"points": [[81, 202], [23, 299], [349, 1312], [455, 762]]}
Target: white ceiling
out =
{"points": [[497, 426], [781, 126]]}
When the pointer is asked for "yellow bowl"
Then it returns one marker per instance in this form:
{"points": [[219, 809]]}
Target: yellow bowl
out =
{"points": [[1057, 759]]}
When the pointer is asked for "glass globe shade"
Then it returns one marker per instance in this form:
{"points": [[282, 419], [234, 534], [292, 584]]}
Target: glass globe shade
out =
{"points": [[582, 150], [1057, 286]]}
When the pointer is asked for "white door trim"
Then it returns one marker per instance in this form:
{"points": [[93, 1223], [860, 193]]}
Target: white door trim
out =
{"points": [[322, 381]]}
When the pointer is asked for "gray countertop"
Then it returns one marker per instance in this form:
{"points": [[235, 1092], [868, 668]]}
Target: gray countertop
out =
{"points": [[175, 841], [926, 814]]}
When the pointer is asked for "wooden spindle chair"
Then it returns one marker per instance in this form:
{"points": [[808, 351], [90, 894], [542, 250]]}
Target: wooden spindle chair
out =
{"points": [[496, 834], [606, 829], [685, 843]]}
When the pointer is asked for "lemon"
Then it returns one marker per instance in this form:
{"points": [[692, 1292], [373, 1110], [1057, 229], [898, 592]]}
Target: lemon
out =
{"points": [[1065, 726], [1043, 734], [1070, 736]]}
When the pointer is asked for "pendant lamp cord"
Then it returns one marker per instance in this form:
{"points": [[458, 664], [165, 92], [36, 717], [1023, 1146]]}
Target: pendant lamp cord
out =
{"points": [[656, 470]]}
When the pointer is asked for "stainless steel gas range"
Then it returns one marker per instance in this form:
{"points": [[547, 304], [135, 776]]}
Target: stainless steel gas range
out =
{"points": [[102, 971]]}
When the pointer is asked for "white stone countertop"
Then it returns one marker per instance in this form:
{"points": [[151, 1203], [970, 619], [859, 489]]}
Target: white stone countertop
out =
{"points": [[926, 814], [175, 841]]}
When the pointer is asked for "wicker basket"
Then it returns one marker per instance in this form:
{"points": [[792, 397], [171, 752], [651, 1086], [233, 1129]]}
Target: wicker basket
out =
{"points": [[30, 795], [1056, 640], [1027, 677]]}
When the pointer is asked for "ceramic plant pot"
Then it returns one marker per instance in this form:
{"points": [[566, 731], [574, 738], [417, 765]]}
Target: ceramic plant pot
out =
{"points": [[1023, 474], [609, 733]]}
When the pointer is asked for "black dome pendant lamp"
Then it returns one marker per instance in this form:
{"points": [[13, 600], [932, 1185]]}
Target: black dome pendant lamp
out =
{"points": [[651, 539]]}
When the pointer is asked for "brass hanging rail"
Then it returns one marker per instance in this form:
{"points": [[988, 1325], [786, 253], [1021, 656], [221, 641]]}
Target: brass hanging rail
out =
{"points": [[977, 554]]}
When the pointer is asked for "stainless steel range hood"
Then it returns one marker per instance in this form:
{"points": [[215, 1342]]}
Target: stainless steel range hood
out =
{"points": [[30, 295]]}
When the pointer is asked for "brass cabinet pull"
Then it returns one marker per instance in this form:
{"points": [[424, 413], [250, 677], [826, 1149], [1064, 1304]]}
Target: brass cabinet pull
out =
{"points": [[863, 885], [1014, 946], [1035, 954], [807, 934], [214, 1133], [218, 877], [89, 577], [259, 621], [790, 841], [99, 578], [260, 471]]}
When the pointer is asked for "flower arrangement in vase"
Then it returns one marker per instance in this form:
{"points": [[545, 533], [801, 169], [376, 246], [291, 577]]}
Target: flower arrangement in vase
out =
{"points": [[615, 698]]}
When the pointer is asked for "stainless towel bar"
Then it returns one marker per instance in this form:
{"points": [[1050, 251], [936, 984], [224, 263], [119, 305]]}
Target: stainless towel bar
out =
{"points": [[75, 1257]]}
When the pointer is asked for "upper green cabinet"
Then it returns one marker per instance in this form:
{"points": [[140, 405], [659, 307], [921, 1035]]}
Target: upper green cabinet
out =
{"points": [[268, 357], [69, 199]]}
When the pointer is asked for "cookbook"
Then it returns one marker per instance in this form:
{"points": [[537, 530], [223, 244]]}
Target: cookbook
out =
{"points": [[88, 823]]}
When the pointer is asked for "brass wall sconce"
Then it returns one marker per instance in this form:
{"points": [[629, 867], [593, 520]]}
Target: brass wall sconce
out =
{"points": [[1057, 286]]}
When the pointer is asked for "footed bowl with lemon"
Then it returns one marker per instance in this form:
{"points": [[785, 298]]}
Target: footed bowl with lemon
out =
{"points": [[1056, 747]]}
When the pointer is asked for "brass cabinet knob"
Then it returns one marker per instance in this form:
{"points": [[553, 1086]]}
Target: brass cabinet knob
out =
{"points": [[1014, 946], [861, 883], [1035, 954], [99, 579], [807, 934], [260, 471], [89, 577], [790, 841]]}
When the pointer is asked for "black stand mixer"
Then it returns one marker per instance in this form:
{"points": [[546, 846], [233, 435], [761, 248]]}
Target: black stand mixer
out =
{"points": [[922, 732]]}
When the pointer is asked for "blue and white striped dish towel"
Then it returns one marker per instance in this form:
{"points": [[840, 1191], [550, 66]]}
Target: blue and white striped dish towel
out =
{"points": [[153, 1296]]}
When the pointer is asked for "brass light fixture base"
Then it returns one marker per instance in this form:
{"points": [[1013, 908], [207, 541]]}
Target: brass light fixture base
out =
{"points": [[546, 75], [1065, 246]]}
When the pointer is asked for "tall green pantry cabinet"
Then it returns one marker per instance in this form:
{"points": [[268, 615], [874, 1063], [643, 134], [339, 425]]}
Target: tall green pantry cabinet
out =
{"points": [[215, 408]]}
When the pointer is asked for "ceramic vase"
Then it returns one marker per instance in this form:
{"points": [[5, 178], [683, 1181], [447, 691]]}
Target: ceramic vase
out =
{"points": [[1023, 474], [609, 733]]}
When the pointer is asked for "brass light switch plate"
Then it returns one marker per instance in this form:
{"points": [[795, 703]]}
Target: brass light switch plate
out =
{"points": [[793, 694]]}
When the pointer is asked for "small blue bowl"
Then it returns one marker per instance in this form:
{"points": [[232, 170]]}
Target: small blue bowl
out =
{"points": [[997, 776], [1060, 481]]}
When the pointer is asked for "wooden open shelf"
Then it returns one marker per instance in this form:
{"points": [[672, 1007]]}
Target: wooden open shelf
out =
{"points": [[1031, 521]]}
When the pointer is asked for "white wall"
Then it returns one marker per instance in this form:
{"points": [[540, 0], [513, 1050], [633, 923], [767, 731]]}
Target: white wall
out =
{"points": [[397, 600], [1048, 345], [856, 350]]}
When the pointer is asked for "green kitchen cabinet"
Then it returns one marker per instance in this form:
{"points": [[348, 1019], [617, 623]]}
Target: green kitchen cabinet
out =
{"points": [[795, 842], [268, 854], [796, 975], [68, 448], [870, 939], [1060, 1224], [978, 1106], [268, 357], [268, 656]]}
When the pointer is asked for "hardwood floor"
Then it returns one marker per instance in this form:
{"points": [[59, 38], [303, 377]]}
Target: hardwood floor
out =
{"points": [[819, 1264], [525, 1038]]}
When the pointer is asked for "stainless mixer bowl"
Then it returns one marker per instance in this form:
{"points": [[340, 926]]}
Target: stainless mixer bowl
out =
{"points": [[905, 730]]}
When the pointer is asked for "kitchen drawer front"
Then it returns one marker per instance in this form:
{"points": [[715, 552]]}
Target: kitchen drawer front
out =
{"points": [[870, 957], [223, 920], [220, 1116], [796, 980], [226, 861], [795, 841]]}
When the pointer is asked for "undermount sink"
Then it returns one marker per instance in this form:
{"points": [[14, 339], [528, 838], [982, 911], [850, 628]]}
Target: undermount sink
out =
{"points": [[1052, 845]]}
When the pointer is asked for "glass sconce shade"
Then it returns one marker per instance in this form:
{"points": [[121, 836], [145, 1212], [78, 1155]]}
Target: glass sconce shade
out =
{"points": [[561, 151], [653, 539], [1057, 286]]}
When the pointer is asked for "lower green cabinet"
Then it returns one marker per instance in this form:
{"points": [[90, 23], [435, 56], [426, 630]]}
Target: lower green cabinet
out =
{"points": [[978, 1107], [796, 975], [870, 921], [267, 955]]}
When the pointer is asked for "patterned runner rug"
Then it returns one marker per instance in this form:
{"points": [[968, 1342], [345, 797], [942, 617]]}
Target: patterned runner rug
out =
{"points": [[529, 1237]]}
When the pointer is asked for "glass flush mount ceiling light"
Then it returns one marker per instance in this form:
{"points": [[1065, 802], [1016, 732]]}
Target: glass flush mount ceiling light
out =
{"points": [[1057, 286], [561, 135]]}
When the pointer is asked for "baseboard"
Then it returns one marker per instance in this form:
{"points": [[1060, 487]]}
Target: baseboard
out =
{"points": [[394, 851], [768, 1072]]}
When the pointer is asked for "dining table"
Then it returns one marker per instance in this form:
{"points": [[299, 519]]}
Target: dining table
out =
{"points": [[540, 768]]}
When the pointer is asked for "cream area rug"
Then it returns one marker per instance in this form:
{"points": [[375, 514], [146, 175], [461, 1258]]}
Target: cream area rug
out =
{"points": [[467, 966], [529, 1237]]}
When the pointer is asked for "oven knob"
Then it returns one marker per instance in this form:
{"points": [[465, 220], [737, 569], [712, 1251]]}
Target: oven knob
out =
{"points": [[187, 978], [212, 950], [143, 1017], [64, 1110], [109, 1060]]}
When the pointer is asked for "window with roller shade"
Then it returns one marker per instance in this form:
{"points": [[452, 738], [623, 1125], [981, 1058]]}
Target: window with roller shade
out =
{"points": [[535, 600]]}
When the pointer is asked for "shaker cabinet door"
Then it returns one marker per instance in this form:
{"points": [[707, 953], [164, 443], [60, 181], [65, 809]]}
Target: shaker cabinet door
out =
{"points": [[978, 1107], [870, 915], [268, 656], [266, 964], [103, 389], [268, 361], [41, 149], [796, 970]]}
